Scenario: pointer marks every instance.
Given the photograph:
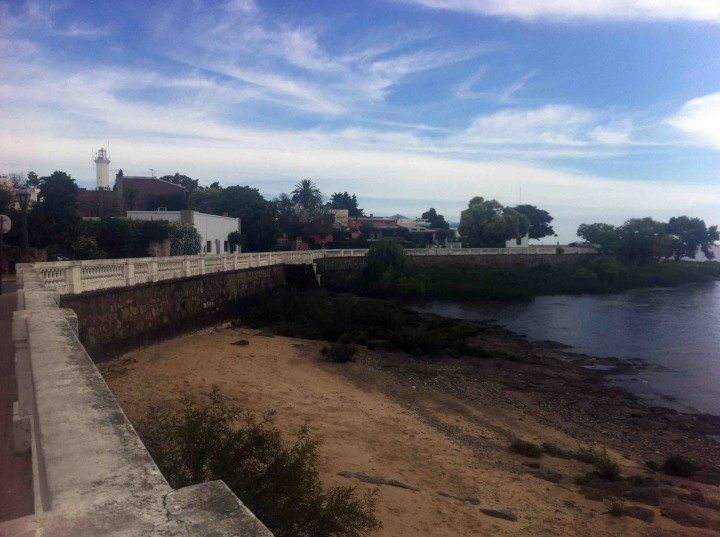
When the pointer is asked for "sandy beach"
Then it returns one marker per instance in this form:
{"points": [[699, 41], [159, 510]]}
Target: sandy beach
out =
{"points": [[442, 426]]}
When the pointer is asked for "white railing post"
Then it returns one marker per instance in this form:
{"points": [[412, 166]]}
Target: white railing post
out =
{"points": [[152, 270], [201, 263], [129, 272], [235, 260], [186, 266], [223, 266], [74, 278]]}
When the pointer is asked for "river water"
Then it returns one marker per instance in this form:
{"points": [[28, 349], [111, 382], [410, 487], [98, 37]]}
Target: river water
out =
{"points": [[674, 330]]}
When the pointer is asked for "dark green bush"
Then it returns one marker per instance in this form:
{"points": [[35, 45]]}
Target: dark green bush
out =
{"points": [[528, 449], [679, 466], [348, 319], [278, 482], [339, 352]]}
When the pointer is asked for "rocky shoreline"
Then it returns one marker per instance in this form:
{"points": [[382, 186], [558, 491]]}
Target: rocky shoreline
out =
{"points": [[569, 391]]}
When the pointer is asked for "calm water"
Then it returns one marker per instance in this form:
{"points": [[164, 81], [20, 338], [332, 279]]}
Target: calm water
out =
{"points": [[675, 328]]}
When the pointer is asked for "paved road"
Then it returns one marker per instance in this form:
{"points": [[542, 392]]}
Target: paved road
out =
{"points": [[16, 496]]}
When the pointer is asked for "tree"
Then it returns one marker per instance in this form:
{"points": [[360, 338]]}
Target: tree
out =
{"points": [[86, 248], [643, 239], [204, 200], [307, 195], [122, 237], [303, 214], [638, 240], [603, 236], [235, 239], [55, 220], [257, 219], [343, 200], [189, 183], [437, 221], [690, 235], [184, 239], [33, 181], [539, 221], [385, 259], [487, 224], [7, 196]]}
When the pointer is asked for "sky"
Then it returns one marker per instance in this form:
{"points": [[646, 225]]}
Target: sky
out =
{"points": [[595, 111]]}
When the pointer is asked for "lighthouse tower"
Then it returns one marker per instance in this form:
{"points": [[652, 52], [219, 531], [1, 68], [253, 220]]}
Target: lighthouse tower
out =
{"points": [[102, 170]]}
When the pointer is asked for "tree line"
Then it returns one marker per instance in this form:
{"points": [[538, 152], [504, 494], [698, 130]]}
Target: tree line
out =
{"points": [[54, 222], [305, 213]]}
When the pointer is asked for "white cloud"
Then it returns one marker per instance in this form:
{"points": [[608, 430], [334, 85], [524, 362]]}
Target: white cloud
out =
{"points": [[697, 10], [699, 119], [548, 125], [504, 94], [40, 16]]}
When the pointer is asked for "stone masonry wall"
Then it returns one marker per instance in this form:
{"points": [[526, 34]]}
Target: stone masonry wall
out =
{"points": [[338, 272], [113, 321]]}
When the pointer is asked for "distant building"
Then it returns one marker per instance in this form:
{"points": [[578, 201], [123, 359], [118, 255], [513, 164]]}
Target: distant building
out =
{"points": [[520, 242], [342, 218], [213, 229], [131, 193], [9, 182]]}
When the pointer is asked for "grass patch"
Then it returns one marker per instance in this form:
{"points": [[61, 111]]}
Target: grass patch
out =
{"points": [[278, 482], [679, 466], [339, 352], [606, 467], [615, 506], [528, 449]]}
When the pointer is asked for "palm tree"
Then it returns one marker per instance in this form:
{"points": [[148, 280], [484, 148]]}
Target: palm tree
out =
{"points": [[307, 195]]}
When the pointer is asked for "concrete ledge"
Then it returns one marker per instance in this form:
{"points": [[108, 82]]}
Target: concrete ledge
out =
{"points": [[21, 431], [92, 475]]}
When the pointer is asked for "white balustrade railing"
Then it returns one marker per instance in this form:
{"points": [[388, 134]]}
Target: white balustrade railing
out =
{"points": [[72, 277]]}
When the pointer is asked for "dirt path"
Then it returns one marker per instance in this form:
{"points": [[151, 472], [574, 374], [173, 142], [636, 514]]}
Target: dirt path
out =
{"points": [[371, 424]]}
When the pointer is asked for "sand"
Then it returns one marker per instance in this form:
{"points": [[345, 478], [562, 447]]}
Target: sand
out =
{"points": [[368, 422]]}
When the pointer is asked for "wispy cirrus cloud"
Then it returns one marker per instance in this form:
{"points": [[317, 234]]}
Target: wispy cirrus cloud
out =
{"points": [[554, 125], [291, 64], [473, 88], [696, 10], [41, 16]]}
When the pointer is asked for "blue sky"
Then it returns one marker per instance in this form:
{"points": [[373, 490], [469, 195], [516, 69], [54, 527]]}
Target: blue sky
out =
{"points": [[598, 111]]}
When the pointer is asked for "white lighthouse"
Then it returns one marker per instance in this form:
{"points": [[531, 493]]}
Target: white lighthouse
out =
{"points": [[102, 170]]}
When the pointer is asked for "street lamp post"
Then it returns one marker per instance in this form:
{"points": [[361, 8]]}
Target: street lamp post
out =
{"points": [[23, 196]]}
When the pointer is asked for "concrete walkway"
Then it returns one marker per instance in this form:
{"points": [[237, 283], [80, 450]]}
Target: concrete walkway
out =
{"points": [[16, 491]]}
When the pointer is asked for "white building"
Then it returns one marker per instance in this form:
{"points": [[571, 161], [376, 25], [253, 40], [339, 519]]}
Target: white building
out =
{"points": [[523, 241], [213, 229]]}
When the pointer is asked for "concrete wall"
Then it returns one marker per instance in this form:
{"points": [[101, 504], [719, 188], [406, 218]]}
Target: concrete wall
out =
{"points": [[113, 321], [91, 473], [215, 230]]}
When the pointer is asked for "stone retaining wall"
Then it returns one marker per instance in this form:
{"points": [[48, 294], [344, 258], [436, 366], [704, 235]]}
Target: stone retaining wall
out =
{"points": [[338, 272], [116, 320]]}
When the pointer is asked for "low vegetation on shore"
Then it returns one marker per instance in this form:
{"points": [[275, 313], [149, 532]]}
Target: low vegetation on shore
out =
{"points": [[277, 481], [347, 319], [521, 282]]}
